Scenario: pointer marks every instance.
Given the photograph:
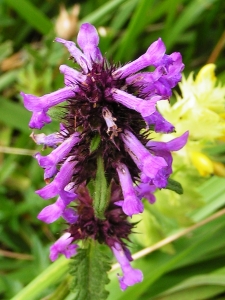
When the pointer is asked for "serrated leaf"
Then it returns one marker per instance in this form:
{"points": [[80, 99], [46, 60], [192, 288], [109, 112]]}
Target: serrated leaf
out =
{"points": [[89, 270], [175, 186]]}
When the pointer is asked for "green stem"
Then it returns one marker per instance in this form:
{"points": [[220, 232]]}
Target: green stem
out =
{"points": [[51, 275]]}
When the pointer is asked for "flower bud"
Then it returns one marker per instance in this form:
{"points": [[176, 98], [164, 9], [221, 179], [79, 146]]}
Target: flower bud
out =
{"points": [[66, 23]]}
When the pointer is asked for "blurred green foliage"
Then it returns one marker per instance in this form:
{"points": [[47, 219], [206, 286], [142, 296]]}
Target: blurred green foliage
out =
{"points": [[193, 267]]}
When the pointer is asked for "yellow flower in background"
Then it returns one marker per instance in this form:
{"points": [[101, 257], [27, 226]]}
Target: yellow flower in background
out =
{"points": [[200, 109], [203, 164]]}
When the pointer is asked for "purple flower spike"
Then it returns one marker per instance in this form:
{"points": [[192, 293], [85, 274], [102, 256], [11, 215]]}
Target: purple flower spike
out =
{"points": [[130, 276], [105, 109], [40, 105], [63, 246], [131, 204], [50, 161], [145, 161], [88, 40]]}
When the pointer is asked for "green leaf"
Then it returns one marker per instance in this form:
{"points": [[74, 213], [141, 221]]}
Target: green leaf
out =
{"points": [[101, 195], [175, 186], [89, 268], [32, 15], [95, 143], [212, 191], [195, 293], [137, 23], [195, 287], [185, 19]]}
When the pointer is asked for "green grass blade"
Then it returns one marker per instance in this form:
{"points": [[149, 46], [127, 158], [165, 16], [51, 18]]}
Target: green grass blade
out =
{"points": [[99, 13], [213, 191], [136, 25], [51, 275], [32, 15], [186, 19]]}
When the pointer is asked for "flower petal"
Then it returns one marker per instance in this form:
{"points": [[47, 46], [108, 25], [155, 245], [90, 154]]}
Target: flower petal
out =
{"points": [[152, 56], [63, 246], [88, 40], [131, 204], [61, 180], [144, 107], [130, 276], [52, 212]]}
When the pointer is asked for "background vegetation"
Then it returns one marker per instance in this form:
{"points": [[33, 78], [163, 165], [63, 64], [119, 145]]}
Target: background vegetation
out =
{"points": [[190, 264]]}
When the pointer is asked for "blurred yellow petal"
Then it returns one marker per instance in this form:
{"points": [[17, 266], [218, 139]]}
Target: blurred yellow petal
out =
{"points": [[203, 164], [219, 168], [206, 74]]}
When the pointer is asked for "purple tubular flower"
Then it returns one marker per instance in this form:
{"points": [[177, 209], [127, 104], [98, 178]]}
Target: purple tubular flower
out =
{"points": [[61, 180], [145, 161], [52, 212], [130, 276], [163, 149], [71, 76], [160, 124], [173, 75], [144, 107], [58, 209], [162, 79], [153, 56], [131, 204], [70, 215], [52, 140], [145, 190], [63, 246], [40, 105], [88, 40], [173, 145], [81, 59], [50, 161]]}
